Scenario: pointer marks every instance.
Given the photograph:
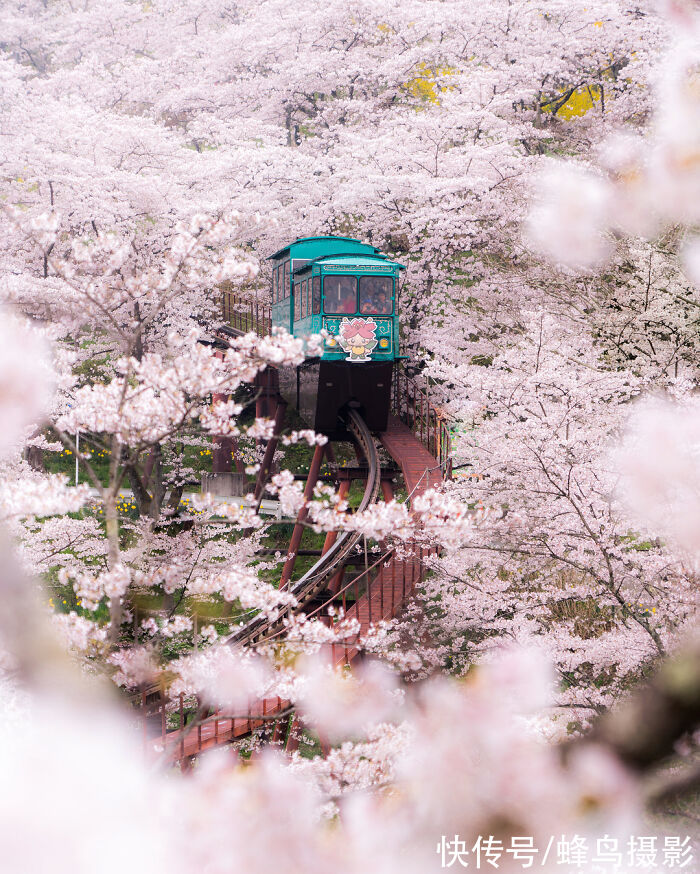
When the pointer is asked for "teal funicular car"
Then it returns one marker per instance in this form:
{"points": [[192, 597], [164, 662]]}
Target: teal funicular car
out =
{"points": [[349, 290]]}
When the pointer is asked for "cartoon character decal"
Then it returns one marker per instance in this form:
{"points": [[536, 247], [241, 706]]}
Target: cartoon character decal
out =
{"points": [[358, 338]]}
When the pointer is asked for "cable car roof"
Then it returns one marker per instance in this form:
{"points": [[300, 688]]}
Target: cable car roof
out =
{"points": [[311, 248], [348, 261]]}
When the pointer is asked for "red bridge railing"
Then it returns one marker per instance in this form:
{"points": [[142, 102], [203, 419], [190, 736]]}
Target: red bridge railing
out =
{"points": [[411, 403]]}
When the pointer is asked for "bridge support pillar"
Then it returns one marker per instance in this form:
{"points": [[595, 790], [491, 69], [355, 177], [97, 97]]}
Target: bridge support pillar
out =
{"points": [[311, 480], [294, 736], [266, 466]]}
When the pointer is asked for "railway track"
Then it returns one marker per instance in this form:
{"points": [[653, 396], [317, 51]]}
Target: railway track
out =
{"points": [[315, 579]]}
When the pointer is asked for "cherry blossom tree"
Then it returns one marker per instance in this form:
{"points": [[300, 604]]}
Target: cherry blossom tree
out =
{"points": [[154, 151]]}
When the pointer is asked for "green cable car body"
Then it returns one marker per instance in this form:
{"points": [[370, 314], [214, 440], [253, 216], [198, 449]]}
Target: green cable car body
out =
{"points": [[349, 290]]}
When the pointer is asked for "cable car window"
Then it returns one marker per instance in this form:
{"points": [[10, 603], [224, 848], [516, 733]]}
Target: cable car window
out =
{"points": [[275, 285], [297, 302], [285, 280], [304, 308], [307, 288], [316, 294], [375, 295], [340, 294]]}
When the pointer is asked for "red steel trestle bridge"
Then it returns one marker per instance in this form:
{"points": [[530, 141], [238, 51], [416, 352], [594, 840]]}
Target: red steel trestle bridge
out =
{"points": [[418, 442]]}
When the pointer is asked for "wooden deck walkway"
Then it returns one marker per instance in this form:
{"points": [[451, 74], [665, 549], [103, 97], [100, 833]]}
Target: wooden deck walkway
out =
{"points": [[420, 469], [390, 588], [394, 583]]}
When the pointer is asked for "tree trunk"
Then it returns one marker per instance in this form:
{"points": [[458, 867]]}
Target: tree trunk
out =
{"points": [[34, 456], [157, 487], [112, 529]]}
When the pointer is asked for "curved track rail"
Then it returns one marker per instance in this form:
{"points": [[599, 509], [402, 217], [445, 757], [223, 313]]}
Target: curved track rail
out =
{"points": [[331, 561]]}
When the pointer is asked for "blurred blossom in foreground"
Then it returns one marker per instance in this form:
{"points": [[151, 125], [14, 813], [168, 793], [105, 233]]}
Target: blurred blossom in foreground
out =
{"points": [[675, 164], [76, 795], [25, 379], [625, 159], [649, 183], [471, 767], [222, 676], [343, 705], [565, 225], [79, 795], [660, 464], [690, 256]]}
